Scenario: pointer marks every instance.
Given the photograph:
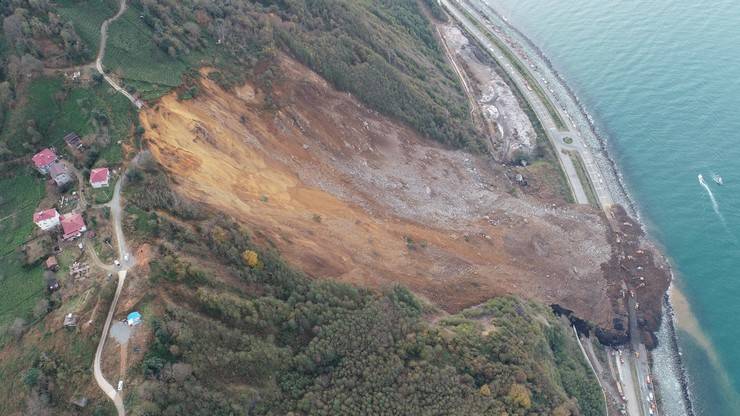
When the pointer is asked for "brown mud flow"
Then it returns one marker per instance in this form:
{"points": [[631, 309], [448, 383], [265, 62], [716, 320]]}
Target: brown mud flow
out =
{"points": [[348, 194]]}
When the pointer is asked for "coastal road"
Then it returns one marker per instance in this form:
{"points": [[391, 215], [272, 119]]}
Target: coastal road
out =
{"points": [[566, 140], [638, 360], [476, 25], [101, 53], [570, 130], [627, 379]]}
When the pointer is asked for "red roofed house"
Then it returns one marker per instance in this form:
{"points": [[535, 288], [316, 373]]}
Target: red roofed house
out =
{"points": [[99, 177], [72, 225], [46, 219], [58, 172], [43, 160]]}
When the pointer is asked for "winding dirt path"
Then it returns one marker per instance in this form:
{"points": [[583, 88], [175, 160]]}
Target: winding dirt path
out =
{"points": [[99, 378], [127, 261], [101, 53]]}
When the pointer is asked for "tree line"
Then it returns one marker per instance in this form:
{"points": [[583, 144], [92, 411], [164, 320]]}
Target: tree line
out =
{"points": [[302, 346]]}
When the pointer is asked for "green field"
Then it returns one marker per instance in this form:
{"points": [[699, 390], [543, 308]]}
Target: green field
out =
{"points": [[20, 287], [56, 110], [102, 195], [87, 17], [148, 91], [132, 53]]}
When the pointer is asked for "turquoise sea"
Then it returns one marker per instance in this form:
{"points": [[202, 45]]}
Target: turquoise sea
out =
{"points": [[662, 81]]}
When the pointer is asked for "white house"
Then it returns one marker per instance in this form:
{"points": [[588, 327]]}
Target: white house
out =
{"points": [[46, 219], [43, 160], [99, 177]]}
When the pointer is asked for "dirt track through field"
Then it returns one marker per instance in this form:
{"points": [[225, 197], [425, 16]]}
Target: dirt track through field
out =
{"points": [[347, 194]]}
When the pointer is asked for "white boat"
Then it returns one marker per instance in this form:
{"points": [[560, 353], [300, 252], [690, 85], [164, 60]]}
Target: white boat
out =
{"points": [[717, 179]]}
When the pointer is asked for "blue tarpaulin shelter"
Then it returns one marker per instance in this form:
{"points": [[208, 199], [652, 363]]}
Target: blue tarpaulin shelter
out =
{"points": [[134, 318]]}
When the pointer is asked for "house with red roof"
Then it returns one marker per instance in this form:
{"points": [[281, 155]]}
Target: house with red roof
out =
{"points": [[46, 219], [43, 160], [73, 225], [60, 174], [99, 177]]}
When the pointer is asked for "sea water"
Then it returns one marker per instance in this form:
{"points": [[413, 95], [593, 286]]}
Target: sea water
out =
{"points": [[661, 80]]}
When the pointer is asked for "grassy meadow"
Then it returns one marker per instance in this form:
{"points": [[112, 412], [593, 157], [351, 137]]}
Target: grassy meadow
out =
{"points": [[55, 109], [20, 287], [87, 18]]}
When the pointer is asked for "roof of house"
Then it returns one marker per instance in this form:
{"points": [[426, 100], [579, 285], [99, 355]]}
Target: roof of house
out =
{"points": [[45, 215], [72, 138], [99, 175], [70, 320], [57, 169], [51, 262], [72, 223], [44, 157]]}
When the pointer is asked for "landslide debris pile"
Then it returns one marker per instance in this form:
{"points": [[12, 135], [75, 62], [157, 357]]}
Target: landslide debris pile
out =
{"points": [[345, 193]]}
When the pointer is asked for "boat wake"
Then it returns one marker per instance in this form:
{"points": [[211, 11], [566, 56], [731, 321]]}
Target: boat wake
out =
{"points": [[715, 205]]}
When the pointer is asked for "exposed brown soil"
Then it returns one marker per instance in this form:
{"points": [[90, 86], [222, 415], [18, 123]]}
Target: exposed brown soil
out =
{"points": [[347, 194]]}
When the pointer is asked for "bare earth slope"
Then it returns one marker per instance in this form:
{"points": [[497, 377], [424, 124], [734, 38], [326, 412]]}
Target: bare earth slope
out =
{"points": [[348, 194]]}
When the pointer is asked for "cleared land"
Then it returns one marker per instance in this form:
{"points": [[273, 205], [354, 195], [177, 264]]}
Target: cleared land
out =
{"points": [[522, 70], [504, 105]]}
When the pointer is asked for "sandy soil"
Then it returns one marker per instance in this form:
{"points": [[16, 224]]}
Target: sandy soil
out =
{"points": [[347, 194]]}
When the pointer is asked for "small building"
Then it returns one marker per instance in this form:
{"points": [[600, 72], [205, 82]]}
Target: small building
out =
{"points": [[46, 219], [80, 402], [43, 160], [73, 225], [60, 173], [51, 264], [70, 320], [52, 285], [73, 141], [99, 177], [134, 318]]}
